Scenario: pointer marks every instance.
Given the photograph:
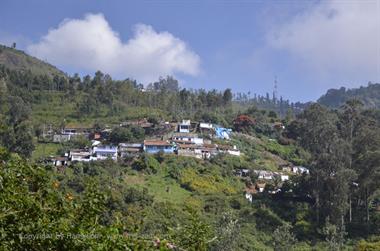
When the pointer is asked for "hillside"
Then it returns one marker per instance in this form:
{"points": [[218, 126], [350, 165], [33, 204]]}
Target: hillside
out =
{"points": [[369, 95], [97, 158], [18, 60]]}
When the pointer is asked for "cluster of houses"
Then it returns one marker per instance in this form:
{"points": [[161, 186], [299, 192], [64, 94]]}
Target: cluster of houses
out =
{"points": [[264, 177], [184, 141]]}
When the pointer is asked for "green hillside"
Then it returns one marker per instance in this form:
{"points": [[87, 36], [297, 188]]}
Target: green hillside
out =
{"points": [[368, 95], [18, 60], [157, 201]]}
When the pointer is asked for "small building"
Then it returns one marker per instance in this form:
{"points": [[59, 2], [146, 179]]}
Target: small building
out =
{"points": [[104, 152], [205, 126], [284, 177], [286, 168], [186, 138], [264, 175], [79, 155], [60, 138], [76, 130], [184, 126], [60, 161], [232, 150], [209, 150], [190, 150], [130, 149], [242, 172], [260, 187], [300, 170], [155, 146]]}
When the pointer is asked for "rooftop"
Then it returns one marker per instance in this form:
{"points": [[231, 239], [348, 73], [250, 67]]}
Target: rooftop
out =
{"points": [[156, 143]]}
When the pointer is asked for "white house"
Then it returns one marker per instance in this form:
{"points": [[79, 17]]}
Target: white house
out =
{"points": [[284, 177], [228, 150], [184, 126], [190, 150], [80, 155], [234, 151], [264, 175], [205, 126], [130, 149], [187, 138], [59, 138], [300, 170], [104, 152]]}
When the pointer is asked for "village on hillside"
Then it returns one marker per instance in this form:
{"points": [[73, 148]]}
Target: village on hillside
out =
{"points": [[199, 140], [183, 139]]}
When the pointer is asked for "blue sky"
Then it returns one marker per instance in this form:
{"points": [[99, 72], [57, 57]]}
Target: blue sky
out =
{"points": [[310, 46]]}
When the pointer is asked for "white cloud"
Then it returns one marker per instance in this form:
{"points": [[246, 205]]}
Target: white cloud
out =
{"points": [[91, 44], [334, 37]]}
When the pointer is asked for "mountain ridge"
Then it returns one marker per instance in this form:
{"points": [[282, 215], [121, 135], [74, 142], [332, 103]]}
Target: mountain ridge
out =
{"points": [[369, 95], [19, 60]]}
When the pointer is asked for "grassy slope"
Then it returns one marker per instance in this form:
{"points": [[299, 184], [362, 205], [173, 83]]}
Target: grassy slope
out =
{"points": [[54, 107], [162, 187], [45, 149], [18, 60]]}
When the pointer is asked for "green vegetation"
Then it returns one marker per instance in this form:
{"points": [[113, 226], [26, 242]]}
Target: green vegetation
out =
{"points": [[169, 202], [368, 95], [46, 149], [18, 60]]}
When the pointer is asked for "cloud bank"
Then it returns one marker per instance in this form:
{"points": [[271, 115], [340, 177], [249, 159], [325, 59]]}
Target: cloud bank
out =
{"points": [[91, 44], [334, 37]]}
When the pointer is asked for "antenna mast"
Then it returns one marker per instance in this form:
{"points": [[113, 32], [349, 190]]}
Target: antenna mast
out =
{"points": [[275, 94]]}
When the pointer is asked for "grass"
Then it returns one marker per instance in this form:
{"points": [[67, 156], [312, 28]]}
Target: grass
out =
{"points": [[54, 108], [134, 179], [166, 189], [45, 149], [162, 187]]}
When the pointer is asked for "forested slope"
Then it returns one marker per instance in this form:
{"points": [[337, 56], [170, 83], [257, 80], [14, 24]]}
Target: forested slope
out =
{"points": [[368, 95]]}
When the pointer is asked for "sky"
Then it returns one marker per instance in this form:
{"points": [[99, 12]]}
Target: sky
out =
{"points": [[308, 46]]}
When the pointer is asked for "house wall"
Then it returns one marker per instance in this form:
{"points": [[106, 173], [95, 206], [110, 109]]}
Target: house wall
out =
{"points": [[156, 149], [79, 158], [190, 153], [106, 155], [59, 138]]}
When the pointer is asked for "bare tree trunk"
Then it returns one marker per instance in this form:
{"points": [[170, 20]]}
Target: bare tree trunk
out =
{"points": [[366, 205], [350, 209], [317, 199]]}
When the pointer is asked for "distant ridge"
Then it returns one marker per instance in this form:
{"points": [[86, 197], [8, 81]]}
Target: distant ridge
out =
{"points": [[369, 95], [18, 60]]}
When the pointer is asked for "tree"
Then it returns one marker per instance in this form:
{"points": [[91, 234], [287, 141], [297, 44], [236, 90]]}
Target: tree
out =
{"points": [[283, 238], [334, 236], [16, 132], [331, 178], [243, 123], [38, 214], [227, 96], [194, 236], [272, 114], [227, 232]]}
